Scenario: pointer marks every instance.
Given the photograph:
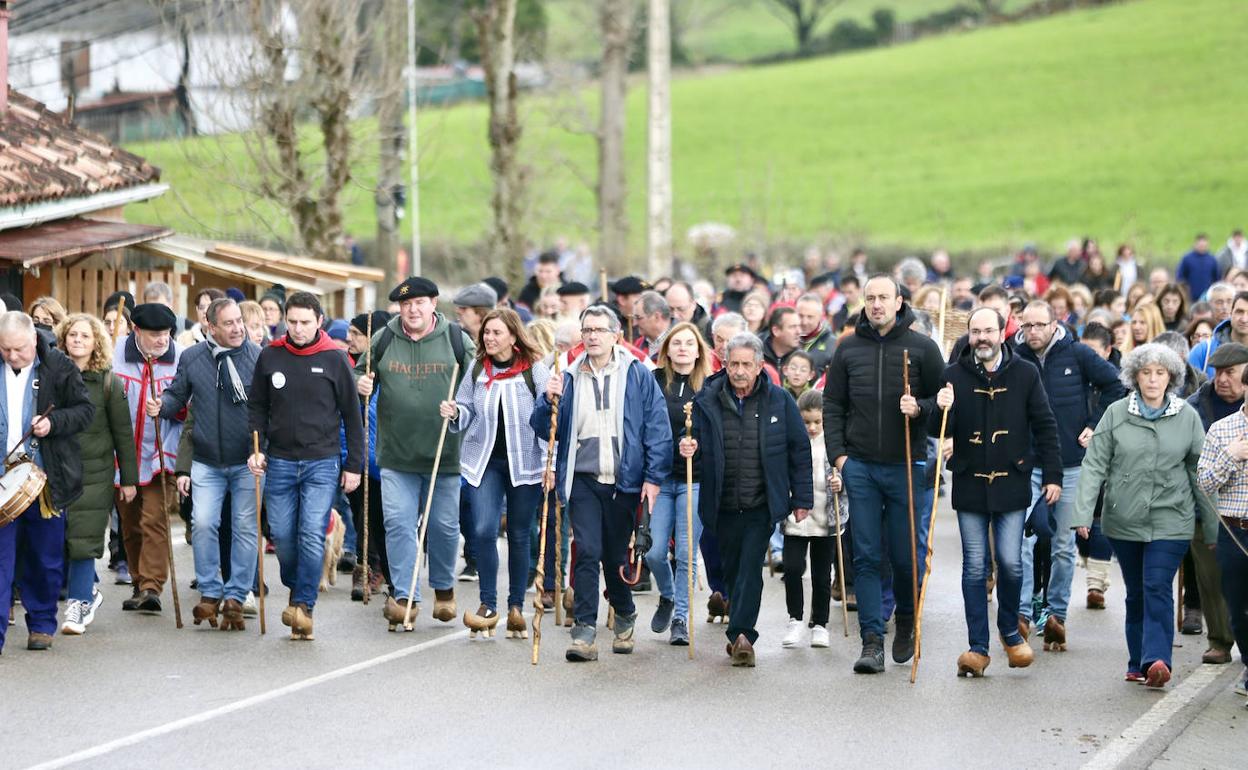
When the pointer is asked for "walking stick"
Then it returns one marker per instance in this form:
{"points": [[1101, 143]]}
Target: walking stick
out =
{"points": [[558, 546], [539, 579], [927, 561], [689, 518], [255, 450], [840, 559], [121, 309], [433, 480], [164, 502], [602, 283], [914, 547], [368, 372]]}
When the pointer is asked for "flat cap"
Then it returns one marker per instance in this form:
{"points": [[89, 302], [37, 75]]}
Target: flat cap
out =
{"points": [[572, 289], [741, 267], [476, 295], [153, 316], [1228, 354], [414, 286], [629, 284]]}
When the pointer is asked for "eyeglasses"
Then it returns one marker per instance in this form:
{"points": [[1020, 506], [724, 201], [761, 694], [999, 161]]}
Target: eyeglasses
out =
{"points": [[595, 331], [1033, 327]]}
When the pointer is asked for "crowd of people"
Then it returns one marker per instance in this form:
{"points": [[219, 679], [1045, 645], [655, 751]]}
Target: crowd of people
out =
{"points": [[1087, 412]]}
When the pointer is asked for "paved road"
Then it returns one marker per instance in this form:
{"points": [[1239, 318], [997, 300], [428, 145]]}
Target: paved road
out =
{"points": [[134, 690]]}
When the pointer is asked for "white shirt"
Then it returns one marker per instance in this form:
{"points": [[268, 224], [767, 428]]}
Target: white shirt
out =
{"points": [[15, 386]]}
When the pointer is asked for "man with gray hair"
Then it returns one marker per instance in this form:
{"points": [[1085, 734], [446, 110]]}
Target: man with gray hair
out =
{"points": [[614, 450], [213, 378], [652, 317], [38, 377], [724, 328], [911, 273], [756, 470]]}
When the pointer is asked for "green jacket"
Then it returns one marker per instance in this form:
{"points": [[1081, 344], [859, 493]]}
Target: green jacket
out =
{"points": [[414, 377], [1149, 472], [107, 446]]}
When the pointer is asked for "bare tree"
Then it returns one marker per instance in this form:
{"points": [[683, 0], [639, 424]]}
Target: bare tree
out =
{"points": [[496, 26], [804, 16], [392, 45], [616, 19]]}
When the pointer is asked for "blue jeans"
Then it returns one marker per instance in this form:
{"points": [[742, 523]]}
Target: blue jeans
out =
{"points": [[343, 504], [209, 483], [1234, 566], [1062, 549], [667, 522], [1148, 571], [487, 512], [32, 557], [878, 506], [1007, 534], [81, 579], [298, 495], [403, 503]]}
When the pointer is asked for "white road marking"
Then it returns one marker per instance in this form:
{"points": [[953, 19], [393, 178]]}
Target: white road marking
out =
{"points": [[255, 700], [1118, 750]]}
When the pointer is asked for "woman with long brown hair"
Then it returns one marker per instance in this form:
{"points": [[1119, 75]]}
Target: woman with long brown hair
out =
{"points": [[1172, 302], [107, 440], [684, 364], [500, 459]]}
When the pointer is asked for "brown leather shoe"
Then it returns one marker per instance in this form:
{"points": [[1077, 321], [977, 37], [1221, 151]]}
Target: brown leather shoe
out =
{"points": [[716, 608], [1055, 634], [742, 652], [1024, 628], [38, 641], [972, 664], [1096, 599], [1021, 655], [1216, 656]]}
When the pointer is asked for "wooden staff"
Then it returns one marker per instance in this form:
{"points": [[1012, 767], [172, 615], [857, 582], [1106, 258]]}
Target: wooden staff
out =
{"points": [[689, 518], [433, 479], [602, 283], [558, 543], [927, 561], [164, 499], [368, 372], [255, 450], [540, 578], [914, 547], [840, 558], [121, 311], [940, 334]]}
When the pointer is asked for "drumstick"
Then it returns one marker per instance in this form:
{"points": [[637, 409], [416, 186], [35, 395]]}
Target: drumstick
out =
{"points": [[21, 441]]}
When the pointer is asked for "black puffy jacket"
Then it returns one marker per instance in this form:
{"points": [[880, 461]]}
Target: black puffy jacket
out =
{"points": [[60, 385], [861, 416]]}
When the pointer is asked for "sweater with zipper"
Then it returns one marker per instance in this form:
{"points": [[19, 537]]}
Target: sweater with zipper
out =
{"points": [[415, 377], [298, 397]]}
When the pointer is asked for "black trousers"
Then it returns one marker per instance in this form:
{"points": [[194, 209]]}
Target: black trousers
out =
{"points": [[822, 555], [743, 537], [603, 520]]}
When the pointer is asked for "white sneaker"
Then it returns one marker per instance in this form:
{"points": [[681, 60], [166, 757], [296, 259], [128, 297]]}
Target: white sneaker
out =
{"points": [[89, 608], [250, 610], [819, 636], [793, 638], [73, 625]]}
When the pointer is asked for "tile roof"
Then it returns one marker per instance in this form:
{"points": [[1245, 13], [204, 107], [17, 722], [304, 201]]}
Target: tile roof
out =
{"points": [[44, 157]]}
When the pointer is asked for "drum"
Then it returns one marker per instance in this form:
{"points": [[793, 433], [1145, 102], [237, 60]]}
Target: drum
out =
{"points": [[19, 487]]}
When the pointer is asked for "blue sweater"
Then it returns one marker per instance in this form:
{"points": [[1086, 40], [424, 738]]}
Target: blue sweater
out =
{"points": [[1199, 272]]}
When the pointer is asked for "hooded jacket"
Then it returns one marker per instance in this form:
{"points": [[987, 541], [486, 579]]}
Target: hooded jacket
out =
{"points": [[1200, 355], [1070, 371], [861, 416], [1001, 426]]}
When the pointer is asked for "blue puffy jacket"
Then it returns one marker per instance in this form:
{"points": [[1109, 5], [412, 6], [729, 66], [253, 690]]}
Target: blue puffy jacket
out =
{"points": [[1199, 357], [374, 470], [1069, 370], [645, 439]]}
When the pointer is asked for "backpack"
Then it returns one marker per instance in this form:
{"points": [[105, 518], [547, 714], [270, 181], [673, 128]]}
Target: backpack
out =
{"points": [[527, 374], [387, 336]]}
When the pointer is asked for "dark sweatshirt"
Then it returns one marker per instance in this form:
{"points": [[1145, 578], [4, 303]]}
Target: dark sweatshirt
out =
{"points": [[679, 394], [298, 398]]}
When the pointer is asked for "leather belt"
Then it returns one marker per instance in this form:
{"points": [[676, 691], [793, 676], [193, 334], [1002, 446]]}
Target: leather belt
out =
{"points": [[1236, 522]]}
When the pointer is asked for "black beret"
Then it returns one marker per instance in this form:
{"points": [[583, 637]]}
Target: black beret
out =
{"points": [[154, 316], [414, 286], [498, 285], [629, 284], [115, 298], [572, 289], [380, 319], [741, 267]]}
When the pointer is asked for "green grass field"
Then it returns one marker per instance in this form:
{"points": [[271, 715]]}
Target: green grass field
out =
{"points": [[1120, 122]]}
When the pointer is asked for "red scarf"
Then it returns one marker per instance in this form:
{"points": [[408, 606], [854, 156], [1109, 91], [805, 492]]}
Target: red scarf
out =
{"points": [[519, 365], [318, 345]]}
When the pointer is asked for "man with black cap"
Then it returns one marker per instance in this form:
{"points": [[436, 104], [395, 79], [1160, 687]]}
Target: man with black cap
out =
{"points": [[573, 298], [626, 291], [739, 281], [414, 358], [149, 355], [357, 341], [1217, 399], [302, 393]]}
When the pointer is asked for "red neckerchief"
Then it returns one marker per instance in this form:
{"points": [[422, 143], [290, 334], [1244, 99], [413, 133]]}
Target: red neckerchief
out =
{"points": [[318, 345], [517, 366]]}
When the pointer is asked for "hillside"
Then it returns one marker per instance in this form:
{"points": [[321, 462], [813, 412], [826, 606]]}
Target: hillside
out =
{"points": [[1118, 122]]}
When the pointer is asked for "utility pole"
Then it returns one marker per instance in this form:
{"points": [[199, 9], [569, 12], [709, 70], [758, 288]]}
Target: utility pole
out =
{"points": [[413, 187], [390, 132], [659, 144]]}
